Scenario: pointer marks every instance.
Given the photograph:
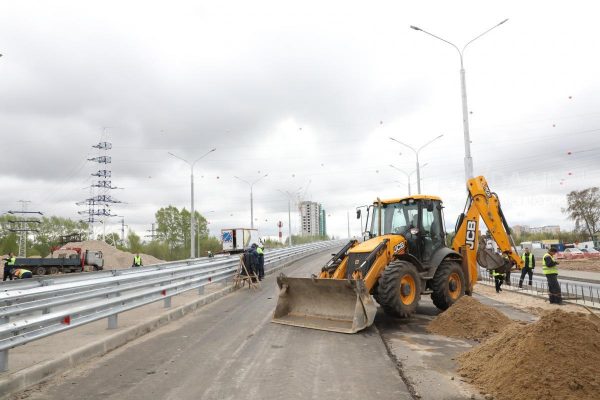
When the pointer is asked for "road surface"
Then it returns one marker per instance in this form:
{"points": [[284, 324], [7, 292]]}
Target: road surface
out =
{"points": [[230, 350]]}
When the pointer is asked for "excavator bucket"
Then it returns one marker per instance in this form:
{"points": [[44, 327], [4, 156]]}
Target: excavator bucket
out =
{"points": [[490, 260], [327, 304]]}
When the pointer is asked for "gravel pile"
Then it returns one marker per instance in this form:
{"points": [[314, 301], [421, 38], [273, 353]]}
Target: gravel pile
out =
{"points": [[113, 258]]}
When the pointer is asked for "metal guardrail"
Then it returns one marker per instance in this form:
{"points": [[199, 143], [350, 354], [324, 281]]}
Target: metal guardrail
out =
{"points": [[577, 291], [32, 309]]}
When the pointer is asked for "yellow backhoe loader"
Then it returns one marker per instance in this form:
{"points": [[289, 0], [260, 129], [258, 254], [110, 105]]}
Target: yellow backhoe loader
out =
{"points": [[403, 256]]}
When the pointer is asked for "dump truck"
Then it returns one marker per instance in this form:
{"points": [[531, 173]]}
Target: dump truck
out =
{"points": [[404, 256], [64, 263]]}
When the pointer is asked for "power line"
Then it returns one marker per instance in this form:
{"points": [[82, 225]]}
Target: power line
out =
{"points": [[22, 225]]}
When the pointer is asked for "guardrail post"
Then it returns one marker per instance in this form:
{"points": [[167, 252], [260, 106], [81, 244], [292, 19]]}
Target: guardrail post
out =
{"points": [[113, 321], [167, 302], [3, 360], [201, 289]]}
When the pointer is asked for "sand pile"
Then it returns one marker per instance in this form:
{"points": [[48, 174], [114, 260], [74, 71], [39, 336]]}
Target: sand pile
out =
{"points": [[469, 319], [113, 258], [557, 357]]}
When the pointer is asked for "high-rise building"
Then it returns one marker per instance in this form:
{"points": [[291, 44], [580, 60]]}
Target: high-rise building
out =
{"points": [[322, 221], [312, 219]]}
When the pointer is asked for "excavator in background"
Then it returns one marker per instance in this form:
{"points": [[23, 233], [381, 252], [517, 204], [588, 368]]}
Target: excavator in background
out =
{"points": [[404, 255]]}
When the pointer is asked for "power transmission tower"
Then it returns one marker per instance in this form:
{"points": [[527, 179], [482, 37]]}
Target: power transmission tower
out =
{"points": [[23, 226], [100, 201], [122, 231], [153, 235]]}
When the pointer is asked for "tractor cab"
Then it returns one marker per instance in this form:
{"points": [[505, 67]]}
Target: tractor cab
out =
{"points": [[419, 219]]}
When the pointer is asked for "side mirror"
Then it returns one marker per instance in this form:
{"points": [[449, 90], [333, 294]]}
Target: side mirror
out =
{"points": [[358, 213]]}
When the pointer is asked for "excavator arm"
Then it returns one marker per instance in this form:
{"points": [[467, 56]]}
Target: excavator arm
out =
{"points": [[482, 204]]}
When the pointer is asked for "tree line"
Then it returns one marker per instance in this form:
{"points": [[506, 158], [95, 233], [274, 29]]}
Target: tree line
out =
{"points": [[170, 242], [171, 239]]}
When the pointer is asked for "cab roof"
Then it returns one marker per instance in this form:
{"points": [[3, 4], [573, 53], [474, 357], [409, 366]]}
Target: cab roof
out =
{"points": [[414, 197]]}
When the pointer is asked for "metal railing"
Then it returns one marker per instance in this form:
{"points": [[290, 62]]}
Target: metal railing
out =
{"points": [[32, 309], [573, 290]]}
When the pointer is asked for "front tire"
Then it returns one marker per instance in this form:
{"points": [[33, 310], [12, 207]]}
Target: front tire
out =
{"points": [[399, 289], [448, 284]]}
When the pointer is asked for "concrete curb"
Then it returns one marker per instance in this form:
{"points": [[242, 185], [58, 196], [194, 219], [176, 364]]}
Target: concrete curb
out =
{"points": [[28, 377]]}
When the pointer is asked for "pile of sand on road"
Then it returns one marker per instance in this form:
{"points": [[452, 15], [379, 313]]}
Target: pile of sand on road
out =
{"points": [[555, 358], [469, 319], [113, 257]]}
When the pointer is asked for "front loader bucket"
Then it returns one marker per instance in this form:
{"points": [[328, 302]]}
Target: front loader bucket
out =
{"points": [[328, 304]]}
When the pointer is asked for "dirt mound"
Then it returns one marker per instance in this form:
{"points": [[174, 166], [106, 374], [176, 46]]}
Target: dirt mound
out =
{"points": [[581, 265], [554, 358], [469, 319], [113, 258]]}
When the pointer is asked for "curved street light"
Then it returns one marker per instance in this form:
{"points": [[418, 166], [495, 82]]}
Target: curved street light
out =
{"points": [[417, 151], [192, 217], [468, 158], [408, 175], [251, 184]]}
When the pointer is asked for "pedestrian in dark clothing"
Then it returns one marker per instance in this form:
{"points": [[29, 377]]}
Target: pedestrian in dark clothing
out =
{"points": [[8, 267], [251, 260], [528, 266], [551, 271], [499, 280], [261, 262], [254, 258]]}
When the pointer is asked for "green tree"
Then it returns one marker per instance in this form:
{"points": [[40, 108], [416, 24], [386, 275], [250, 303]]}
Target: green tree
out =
{"points": [[583, 207], [135, 242], [170, 227], [173, 227]]}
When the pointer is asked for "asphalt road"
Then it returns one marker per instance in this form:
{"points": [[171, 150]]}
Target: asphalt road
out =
{"points": [[230, 350]]}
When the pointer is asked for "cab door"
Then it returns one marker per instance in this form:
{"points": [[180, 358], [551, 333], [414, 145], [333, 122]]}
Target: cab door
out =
{"points": [[432, 228]]}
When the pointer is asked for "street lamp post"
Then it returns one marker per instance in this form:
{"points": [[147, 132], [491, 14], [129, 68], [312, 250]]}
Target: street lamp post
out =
{"points": [[463, 85], [417, 151], [251, 197], [408, 175], [192, 216], [289, 197]]}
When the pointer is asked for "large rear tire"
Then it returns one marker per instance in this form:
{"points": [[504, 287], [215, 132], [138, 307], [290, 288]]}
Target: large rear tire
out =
{"points": [[399, 289], [448, 284]]}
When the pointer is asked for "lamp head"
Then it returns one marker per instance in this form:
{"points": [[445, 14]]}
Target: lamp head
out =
{"points": [[416, 28]]}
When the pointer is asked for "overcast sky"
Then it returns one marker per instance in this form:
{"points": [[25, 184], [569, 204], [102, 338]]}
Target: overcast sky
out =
{"points": [[308, 92]]}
